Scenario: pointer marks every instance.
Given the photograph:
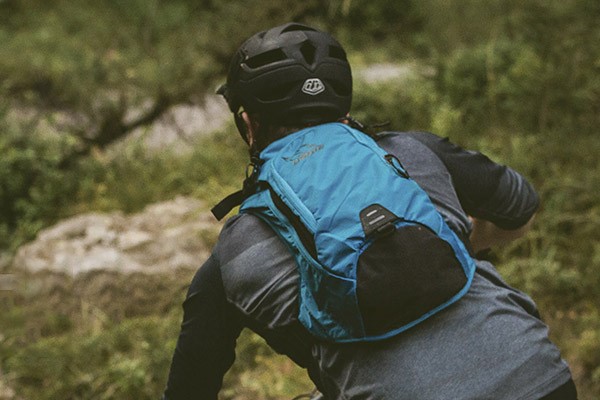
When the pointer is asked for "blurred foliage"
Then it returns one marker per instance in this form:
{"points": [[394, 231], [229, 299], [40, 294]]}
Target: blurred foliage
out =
{"points": [[103, 335], [33, 189], [119, 362], [100, 335], [36, 189], [132, 176], [518, 80]]}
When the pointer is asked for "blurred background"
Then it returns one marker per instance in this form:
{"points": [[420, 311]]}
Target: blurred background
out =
{"points": [[113, 148]]}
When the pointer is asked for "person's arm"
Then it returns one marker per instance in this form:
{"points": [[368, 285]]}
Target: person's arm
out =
{"points": [[500, 201], [206, 344], [486, 234]]}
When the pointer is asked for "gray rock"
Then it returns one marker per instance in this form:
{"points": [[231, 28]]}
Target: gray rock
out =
{"points": [[164, 236]]}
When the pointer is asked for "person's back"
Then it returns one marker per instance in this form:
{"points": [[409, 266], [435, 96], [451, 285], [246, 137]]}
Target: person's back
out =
{"points": [[490, 344]]}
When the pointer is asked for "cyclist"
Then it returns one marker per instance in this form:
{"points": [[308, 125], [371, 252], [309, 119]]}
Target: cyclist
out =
{"points": [[491, 344]]}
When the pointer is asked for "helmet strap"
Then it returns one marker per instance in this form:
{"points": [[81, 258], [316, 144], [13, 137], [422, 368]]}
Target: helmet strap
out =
{"points": [[352, 123], [241, 125], [368, 129]]}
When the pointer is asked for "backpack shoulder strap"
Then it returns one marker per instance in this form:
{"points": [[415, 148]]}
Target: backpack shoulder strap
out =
{"points": [[249, 187], [225, 206]]}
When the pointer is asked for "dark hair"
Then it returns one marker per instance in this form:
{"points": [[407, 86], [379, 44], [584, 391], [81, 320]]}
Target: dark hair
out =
{"points": [[269, 133]]}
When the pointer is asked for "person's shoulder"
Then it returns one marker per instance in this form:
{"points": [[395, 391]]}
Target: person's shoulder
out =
{"points": [[414, 141], [240, 232], [416, 134], [239, 226], [424, 137]]}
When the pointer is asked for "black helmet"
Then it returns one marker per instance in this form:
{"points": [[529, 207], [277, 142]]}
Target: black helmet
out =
{"points": [[292, 75]]}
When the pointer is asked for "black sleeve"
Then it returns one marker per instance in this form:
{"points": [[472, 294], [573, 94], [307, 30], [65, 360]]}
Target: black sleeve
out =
{"points": [[486, 190], [206, 344]]}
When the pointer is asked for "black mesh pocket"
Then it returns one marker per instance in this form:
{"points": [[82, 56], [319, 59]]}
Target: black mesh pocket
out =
{"points": [[403, 275]]}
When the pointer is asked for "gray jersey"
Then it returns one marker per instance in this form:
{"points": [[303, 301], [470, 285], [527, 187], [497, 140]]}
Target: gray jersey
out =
{"points": [[489, 345]]}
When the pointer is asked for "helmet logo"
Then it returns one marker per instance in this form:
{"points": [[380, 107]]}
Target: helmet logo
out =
{"points": [[313, 86]]}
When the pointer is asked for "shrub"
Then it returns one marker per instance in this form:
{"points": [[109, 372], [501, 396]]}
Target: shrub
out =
{"points": [[34, 188]]}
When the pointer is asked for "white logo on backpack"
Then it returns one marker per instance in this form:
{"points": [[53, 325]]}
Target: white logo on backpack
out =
{"points": [[313, 86]]}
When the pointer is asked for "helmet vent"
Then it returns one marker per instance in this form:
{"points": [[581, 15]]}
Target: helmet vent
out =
{"points": [[337, 52], [297, 27], [265, 58], [308, 50]]}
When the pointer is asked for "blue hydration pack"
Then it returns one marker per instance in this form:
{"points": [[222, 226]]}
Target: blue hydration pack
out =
{"points": [[374, 255]]}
